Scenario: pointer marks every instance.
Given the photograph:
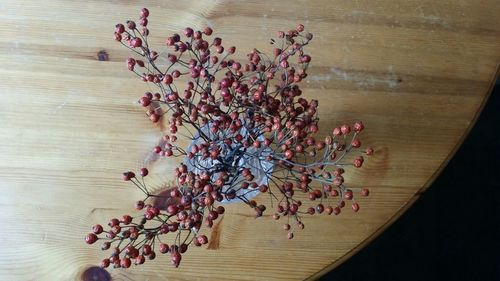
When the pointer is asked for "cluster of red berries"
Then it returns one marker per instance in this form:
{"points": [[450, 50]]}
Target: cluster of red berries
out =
{"points": [[240, 111], [136, 238]]}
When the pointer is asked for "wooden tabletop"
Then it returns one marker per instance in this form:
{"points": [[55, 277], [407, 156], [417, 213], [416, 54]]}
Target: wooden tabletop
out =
{"points": [[416, 72]]}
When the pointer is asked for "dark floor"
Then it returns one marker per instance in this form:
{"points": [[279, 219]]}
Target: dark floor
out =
{"points": [[453, 231]]}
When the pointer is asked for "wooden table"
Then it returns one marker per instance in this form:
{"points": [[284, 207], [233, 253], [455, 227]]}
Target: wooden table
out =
{"points": [[417, 73]]}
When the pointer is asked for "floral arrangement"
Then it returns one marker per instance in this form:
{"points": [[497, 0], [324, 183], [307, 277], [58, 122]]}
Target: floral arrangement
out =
{"points": [[250, 132]]}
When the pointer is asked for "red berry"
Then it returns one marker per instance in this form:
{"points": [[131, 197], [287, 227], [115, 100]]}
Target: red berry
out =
{"points": [[337, 131], [188, 31], [217, 41], [146, 249], [365, 192], [212, 215], [202, 239], [125, 262], [154, 117], [320, 208], [355, 143], [136, 42], [113, 222], [144, 101], [172, 209], [126, 219], [144, 172], [105, 263], [358, 126], [152, 256], [97, 229], [355, 207], [170, 41], [342, 204], [144, 13], [175, 192], [157, 149], [220, 210], [131, 24], [305, 58], [140, 259], [208, 31], [91, 238], [119, 28], [164, 248], [358, 161], [176, 259], [345, 129], [105, 246], [197, 35], [168, 79], [139, 205]]}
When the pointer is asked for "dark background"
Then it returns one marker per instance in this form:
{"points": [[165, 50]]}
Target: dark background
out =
{"points": [[453, 231]]}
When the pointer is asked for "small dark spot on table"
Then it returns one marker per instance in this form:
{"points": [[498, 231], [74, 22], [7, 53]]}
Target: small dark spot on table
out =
{"points": [[102, 55], [95, 273], [399, 80]]}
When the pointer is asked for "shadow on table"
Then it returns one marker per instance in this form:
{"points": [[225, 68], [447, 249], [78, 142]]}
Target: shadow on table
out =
{"points": [[453, 231]]}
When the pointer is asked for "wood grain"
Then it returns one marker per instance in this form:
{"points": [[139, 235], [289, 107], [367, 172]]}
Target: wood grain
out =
{"points": [[416, 72]]}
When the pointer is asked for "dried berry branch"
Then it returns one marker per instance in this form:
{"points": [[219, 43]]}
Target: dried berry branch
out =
{"points": [[250, 132]]}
